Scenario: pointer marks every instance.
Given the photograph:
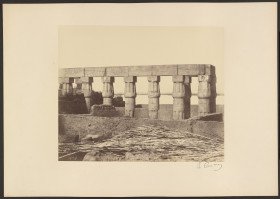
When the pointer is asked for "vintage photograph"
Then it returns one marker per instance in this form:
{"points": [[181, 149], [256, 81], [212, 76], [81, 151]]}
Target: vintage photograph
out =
{"points": [[152, 110], [140, 99]]}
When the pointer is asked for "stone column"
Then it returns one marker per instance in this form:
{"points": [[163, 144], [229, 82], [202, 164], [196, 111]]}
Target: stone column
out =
{"points": [[188, 94], [213, 94], [108, 90], [204, 94], [178, 97], [67, 87], [130, 94], [87, 90], [153, 94]]}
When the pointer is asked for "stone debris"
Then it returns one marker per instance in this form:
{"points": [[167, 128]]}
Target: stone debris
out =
{"points": [[150, 143]]}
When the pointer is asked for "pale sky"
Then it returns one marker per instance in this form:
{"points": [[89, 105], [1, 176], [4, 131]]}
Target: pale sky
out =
{"points": [[95, 46]]}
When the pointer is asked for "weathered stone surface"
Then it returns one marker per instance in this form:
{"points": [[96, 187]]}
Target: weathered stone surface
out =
{"points": [[79, 124], [178, 78], [108, 79], [153, 94], [165, 111], [129, 106], [178, 109], [95, 72], [219, 117], [87, 91], [108, 90], [154, 78], [178, 90], [130, 94], [209, 70], [139, 70], [66, 80], [191, 69], [205, 100], [130, 90], [153, 108], [209, 128], [86, 88], [164, 70], [188, 79], [84, 80], [204, 106], [71, 72], [130, 79], [117, 71], [121, 71], [204, 78], [178, 95]]}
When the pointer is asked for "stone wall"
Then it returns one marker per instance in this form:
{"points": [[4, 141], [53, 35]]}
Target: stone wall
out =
{"points": [[72, 125]]}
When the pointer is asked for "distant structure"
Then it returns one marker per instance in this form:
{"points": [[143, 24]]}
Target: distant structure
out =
{"points": [[181, 74]]}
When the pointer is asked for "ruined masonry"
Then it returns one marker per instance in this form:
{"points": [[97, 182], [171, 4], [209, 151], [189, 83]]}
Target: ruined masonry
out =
{"points": [[181, 77]]}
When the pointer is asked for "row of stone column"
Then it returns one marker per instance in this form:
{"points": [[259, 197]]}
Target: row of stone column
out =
{"points": [[181, 94]]}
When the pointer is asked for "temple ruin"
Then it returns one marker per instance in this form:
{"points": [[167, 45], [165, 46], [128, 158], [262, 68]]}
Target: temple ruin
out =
{"points": [[181, 76]]}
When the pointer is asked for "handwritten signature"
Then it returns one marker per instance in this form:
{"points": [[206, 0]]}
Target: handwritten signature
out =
{"points": [[209, 165]]}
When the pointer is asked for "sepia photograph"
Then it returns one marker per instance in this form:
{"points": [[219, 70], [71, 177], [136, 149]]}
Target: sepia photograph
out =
{"points": [[140, 99], [152, 112]]}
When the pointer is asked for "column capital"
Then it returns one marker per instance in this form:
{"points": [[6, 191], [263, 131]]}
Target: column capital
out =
{"points": [[154, 78], [188, 79], [178, 78], [130, 79], [204, 78], [66, 80], [85, 80], [108, 79]]}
